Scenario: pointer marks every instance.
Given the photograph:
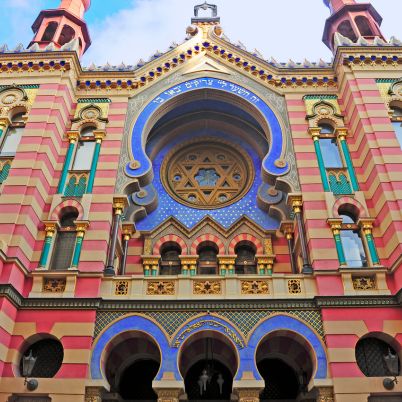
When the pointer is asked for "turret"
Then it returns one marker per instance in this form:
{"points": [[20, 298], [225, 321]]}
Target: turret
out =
{"points": [[352, 20], [60, 26]]}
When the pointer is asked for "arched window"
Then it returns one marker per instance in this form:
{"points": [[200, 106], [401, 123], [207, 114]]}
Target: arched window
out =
{"points": [[397, 123], [67, 35], [207, 258], [50, 31], [329, 147], [13, 135], [65, 240], [371, 355], [352, 243], [363, 26], [245, 259], [345, 29], [170, 260]]}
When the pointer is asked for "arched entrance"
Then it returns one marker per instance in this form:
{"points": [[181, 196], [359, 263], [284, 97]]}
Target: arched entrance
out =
{"points": [[132, 361], [208, 363], [285, 363]]}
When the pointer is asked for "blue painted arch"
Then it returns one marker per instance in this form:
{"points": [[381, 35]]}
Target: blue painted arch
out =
{"points": [[140, 166], [128, 324]]}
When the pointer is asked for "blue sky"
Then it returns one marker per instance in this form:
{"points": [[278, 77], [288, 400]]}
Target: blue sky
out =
{"points": [[127, 30]]}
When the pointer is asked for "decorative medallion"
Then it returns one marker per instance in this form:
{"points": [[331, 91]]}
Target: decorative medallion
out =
{"points": [[364, 283], [54, 285], [294, 286], [207, 288], [161, 288], [254, 287], [207, 173], [121, 288]]}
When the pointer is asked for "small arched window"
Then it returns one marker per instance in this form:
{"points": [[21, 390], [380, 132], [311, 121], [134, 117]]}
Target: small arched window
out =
{"points": [[50, 31], [170, 260], [13, 135], [65, 241], [345, 29], [371, 354], [329, 147], [67, 35], [245, 259], [397, 123], [352, 243], [363, 26], [207, 259]]}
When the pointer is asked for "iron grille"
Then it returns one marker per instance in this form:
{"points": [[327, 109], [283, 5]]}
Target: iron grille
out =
{"points": [[63, 250]]}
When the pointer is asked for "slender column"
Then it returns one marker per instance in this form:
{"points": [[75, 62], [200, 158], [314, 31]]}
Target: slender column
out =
{"points": [[119, 203], [99, 135], [342, 133], [336, 226], [50, 229], [296, 203], [128, 230], [81, 226], [315, 134], [72, 137], [188, 264], [287, 228], [4, 123], [367, 227], [226, 264]]}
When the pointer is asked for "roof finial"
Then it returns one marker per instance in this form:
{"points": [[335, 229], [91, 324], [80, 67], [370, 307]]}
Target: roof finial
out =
{"points": [[205, 6]]}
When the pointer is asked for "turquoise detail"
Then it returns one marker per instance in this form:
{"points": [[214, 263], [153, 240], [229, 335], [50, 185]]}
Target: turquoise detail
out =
{"points": [[372, 248], [94, 100], [339, 249], [4, 172], [1, 132], [74, 189], [93, 168], [341, 186], [349, 165], [321, 165], [66, 166], [319, 97], [45, 252], [77, 252]]}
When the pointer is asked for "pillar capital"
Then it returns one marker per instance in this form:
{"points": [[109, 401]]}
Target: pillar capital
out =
{"points": [[287, 228], [341, 133], [73, 136], [295, 201], [81, 227], [50, 228], [335, 224], [366, 224], [119, 204], [128, 231], [4, 122], [168, 394], [99, 135], [325, 394], [248, 394], [315, 133]]}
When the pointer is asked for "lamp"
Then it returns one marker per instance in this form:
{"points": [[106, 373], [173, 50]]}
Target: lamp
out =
{"points": [[303, 381], [208, 372], [28, 363], [391, 360]]}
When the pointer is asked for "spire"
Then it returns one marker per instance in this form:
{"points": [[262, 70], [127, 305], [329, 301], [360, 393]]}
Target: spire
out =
{"points": [[352, 20], [63, 25]]}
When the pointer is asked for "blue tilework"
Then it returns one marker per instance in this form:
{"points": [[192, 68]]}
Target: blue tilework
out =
{"points": [[168, 207], [138, 141]]}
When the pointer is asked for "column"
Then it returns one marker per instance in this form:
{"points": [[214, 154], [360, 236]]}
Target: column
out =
{"points": [[128, 230], [50, 229], [188, 264], [119, 203], [336, 226], [287, 228], [296, 202], [342, 133], [367, 227], [265, 264], [73, 138], [226, 264], [81, 227], [315, 134], [99, 136]]}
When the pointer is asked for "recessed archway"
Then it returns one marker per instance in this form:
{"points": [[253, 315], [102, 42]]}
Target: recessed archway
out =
{"points": [[208, 363]]}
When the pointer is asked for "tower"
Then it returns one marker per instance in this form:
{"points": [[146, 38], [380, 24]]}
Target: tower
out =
{"points": [[62, 25], [351, 20]]}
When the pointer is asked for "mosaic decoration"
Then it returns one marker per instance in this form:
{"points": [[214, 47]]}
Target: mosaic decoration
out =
{"points": [[294, 286], [54, 285], [121, 288], [5, 166], [339, 182], [254, 287], [244, 320], [207, 173], [312, 100], [364, 282], [77, 185], [161, 288], [207, 287], [100, 109]]}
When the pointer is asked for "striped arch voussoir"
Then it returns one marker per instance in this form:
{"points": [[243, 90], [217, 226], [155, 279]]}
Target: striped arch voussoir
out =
{"points": [[210, 238], [169, 238], [68, 203], [351, 201], [245, 237]]}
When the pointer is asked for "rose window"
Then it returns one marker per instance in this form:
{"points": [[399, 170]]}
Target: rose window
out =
{"points": [[207, 173]]}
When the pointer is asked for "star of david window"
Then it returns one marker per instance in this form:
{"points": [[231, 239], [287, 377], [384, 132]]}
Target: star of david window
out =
{"points": [[207, 174]]}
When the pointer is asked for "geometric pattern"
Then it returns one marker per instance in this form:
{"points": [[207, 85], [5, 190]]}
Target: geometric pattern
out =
{"points": [[340, 184], [4, 171], [74, 188], [244, 320]]}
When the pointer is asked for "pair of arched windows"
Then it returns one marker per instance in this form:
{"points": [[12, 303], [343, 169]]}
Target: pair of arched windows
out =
{"points": [[67, 33], [364, 29]]}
